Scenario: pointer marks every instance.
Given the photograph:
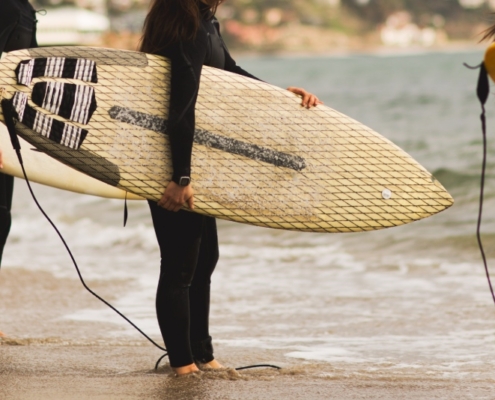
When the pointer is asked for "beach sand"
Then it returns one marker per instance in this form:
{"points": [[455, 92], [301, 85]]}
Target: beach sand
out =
{"points": [[46, 356], [113, 372]]}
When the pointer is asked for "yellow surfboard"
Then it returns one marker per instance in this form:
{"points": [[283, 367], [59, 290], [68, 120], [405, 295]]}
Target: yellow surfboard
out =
{"points": [[489, 61]]}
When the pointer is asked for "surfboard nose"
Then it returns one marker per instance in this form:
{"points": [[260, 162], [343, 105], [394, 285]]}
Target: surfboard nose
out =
{"points": [[434, 199], [379, 203]]}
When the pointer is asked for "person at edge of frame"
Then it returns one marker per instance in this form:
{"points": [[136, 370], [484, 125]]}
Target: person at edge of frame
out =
{"points": [[17, 31], [187, 33]]}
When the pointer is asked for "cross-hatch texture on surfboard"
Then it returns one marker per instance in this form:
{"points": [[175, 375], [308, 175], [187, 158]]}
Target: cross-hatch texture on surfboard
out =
{"points": [[336, 175]]}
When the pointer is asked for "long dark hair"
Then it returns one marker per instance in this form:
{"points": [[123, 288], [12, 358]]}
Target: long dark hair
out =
{"points": [[488, 33], [169, 21]]}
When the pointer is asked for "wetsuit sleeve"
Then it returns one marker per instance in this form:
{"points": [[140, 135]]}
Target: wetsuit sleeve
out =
{"points": [[9, 16], [186, 64]]}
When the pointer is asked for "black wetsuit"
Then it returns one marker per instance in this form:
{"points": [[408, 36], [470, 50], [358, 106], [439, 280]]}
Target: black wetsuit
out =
{"points": [[17, 31], [188, 241]]}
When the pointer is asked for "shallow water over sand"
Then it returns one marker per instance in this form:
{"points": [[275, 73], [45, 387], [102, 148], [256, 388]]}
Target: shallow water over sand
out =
{"points": [[406, 303]]}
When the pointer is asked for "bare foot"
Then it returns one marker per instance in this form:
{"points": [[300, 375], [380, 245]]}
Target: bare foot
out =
{"points": [[186, 369], [2, 334], [213, 364], [214, 367]]}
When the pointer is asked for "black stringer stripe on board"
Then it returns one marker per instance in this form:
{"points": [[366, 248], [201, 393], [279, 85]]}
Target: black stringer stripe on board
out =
{"points": [[206, 138]]}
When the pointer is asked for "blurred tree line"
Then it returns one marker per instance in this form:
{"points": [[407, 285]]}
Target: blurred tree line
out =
{"points": [[457, 21], [348, 16], [365, 15]]}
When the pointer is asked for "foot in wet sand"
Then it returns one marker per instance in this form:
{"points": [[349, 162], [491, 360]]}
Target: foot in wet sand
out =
{"points": [[213, 364], [187, 370], [214, 367]]}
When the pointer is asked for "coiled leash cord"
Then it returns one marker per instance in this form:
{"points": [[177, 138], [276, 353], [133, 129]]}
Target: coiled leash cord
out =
{"points": [[482, 92], [8, 114]]}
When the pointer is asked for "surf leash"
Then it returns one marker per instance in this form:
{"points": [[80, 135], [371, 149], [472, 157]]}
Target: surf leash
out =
{"points": [[9, 113], [126, 212], [487, 67], [258, 366]]}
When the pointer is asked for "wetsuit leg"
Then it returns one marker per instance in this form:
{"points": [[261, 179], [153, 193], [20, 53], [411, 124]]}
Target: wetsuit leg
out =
{"points": [[6, 190], [179, 237], [199, 293]]}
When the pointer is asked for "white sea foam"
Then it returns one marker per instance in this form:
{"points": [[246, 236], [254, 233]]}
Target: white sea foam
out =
{"points": [[412, 298]]}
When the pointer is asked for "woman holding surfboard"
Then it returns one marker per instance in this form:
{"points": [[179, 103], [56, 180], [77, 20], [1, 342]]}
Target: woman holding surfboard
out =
{"points": [[186, 32]]}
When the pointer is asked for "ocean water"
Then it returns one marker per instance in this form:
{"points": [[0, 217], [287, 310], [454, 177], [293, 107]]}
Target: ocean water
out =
{"points": [[404, 302]]}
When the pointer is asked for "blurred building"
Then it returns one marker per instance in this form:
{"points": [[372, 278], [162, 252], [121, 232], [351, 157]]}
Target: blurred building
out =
{"points": [[399, 30], [473, 4], [71, 26], [273, 25]]}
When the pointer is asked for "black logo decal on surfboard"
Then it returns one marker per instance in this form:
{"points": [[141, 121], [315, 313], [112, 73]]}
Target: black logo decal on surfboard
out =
{"points": [[57, 131], [56, 67], [73, 102], [157, 124]]}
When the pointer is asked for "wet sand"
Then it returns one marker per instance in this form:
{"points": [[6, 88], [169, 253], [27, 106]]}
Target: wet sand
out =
{"points": [[46, 356], [42, 372]]}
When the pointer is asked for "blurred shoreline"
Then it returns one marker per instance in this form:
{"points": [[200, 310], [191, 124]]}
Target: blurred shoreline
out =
{"points": [[378, 50], [129, 41], [275, 35]]}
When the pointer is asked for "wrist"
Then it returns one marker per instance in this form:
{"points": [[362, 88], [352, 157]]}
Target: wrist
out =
{"points": [[182, 180]]}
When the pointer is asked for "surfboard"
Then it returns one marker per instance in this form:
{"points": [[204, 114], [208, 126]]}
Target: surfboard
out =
{"points": [[43, 169], [489, 60], [258, 156]]}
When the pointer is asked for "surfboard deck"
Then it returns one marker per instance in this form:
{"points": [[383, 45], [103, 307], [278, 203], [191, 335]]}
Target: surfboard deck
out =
{"points": [[258, 157], [45, 170]]}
